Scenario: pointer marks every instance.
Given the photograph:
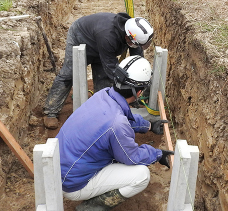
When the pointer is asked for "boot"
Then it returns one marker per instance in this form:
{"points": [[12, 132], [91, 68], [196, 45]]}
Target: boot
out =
{"points": [[104, 202], [51, 122]]}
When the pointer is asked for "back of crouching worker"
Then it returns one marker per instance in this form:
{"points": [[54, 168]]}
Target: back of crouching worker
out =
{"points": [[101, 163]]}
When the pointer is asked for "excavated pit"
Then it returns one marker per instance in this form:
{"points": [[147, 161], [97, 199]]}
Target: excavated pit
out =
{"points": [[196, 92]]}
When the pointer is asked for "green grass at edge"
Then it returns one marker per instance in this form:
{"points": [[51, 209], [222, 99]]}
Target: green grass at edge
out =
{"points": [[5, 5]]}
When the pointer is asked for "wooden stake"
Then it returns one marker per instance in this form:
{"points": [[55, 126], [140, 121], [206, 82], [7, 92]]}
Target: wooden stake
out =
{"points": [[17, 150], [166, 127]]}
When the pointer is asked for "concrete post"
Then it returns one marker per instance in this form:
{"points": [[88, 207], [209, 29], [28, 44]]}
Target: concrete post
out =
{"points": [[41, 207], [52, 175], [190, 196], [183, 180], [80, 85], [159, 76], [76, 80], [39, 175], [158, 83], [47, 176], [163, 73]]}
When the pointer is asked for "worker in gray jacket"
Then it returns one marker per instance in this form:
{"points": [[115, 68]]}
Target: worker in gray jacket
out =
{"points": [[106, 36]]}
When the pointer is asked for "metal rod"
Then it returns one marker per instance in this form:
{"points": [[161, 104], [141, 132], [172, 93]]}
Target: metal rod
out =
{"points": [[38, 21]]}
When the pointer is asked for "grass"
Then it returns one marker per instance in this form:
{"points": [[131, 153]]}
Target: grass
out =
{"points": [[219, 69], [222, 35], [218, 34], [5, 5]]}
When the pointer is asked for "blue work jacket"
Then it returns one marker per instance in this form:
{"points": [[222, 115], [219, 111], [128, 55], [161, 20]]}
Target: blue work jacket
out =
{"points": [[98, 133]]}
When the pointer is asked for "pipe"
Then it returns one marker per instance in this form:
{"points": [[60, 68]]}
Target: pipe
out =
{"points": [[15, 17]]}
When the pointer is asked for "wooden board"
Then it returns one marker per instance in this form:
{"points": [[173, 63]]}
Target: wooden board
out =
{"points": [[166, 127], [16, 149]]}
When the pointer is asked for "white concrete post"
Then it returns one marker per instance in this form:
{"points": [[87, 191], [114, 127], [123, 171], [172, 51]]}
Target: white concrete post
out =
{"points": [[190, 196], [158, 83], [80, 85], [76, 80], [52, 176], [163, 73], [183, 180], [159, 76], [47, 176], [41, 207], [179, 176], [39, 175]]}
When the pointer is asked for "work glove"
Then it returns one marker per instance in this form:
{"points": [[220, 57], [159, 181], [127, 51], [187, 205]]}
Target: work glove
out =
{"points": [[165, 159], [157, 126]]}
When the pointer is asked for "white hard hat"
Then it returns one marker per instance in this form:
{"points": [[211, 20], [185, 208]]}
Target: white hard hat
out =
{"points": [[139, 30], [134, 71]]}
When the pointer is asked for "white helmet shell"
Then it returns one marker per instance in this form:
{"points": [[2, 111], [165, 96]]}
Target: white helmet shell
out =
{"points": [[139, 70], [139, 30]]}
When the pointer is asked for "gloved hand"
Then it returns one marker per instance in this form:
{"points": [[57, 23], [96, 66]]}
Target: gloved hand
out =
{"points": [[157, 126], [165, 159]]}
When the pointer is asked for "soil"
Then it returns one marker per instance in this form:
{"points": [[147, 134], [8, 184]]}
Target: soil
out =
{"points": [[195, 34]]}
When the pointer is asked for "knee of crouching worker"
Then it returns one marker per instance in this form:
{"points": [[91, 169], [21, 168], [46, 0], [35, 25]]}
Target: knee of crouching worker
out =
{"points": [[143, 173]]}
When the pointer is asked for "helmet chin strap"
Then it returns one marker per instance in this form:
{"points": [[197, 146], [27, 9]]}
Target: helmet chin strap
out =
{"points": [[136, 97], [121, 86]]}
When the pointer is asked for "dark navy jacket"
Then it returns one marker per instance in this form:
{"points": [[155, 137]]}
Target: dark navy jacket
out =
{"points": [[98, 133], [104, 36]]}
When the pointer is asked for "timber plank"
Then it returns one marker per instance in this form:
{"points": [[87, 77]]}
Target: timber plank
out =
{"points": [[166, 127], [16, 149]]}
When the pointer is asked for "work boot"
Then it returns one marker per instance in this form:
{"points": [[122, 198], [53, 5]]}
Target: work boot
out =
{"points": [[104, 202], [51, 121]]}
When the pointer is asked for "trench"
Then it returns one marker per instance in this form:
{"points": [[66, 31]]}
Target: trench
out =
{"points": [[199, 112]]}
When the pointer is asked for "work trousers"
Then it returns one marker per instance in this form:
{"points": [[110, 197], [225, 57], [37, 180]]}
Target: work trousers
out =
{"points": [[130, 180], [63, 81]]}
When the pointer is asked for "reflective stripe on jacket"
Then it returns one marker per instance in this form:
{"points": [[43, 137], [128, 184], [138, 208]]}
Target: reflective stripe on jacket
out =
{"points": [[98, 133]]}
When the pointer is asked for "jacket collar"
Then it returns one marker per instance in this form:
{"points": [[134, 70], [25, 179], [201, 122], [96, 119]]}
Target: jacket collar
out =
{"points": [[122, 102]]}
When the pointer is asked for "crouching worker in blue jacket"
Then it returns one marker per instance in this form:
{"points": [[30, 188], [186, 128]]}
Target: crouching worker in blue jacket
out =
{"points": [[100, 161]]}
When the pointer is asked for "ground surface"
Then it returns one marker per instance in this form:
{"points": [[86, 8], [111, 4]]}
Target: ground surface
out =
{"points": [[210, 18]]}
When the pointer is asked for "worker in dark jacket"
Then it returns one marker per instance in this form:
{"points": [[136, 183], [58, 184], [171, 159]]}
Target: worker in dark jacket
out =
{"points": [[106, 36], [100, 161]]}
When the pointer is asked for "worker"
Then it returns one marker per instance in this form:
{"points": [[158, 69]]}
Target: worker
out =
{"points": [[100, 161], [106, 36]]}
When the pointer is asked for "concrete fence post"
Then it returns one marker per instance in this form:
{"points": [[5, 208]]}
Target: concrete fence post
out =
{"points": [[190, 195], [163, 73], [80, 85], [47, 176], [39, 175], [159, 76], [158, 83], [41, 207], [183, 179]]}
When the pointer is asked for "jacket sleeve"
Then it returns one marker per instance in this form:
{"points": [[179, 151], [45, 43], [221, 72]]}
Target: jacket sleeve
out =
{"points": [[126, 150], [140, 125]]}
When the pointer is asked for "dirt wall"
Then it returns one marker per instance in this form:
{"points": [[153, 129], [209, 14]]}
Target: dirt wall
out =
{"points": [[20, 63], [197, 97], [26, 72]]}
